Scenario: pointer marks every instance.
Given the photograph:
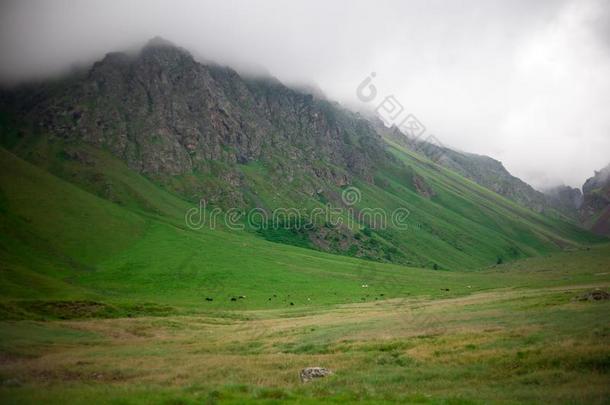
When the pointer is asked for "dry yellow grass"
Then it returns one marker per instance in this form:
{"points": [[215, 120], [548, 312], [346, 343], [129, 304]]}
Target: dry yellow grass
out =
{"points": [[495, 346]]}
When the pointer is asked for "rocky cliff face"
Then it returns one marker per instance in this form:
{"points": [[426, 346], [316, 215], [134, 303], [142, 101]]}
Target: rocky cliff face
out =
{"points": [[167, 115], [595, 208]]}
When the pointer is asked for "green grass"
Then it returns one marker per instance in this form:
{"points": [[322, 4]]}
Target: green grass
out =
{"points": [[530, 345], [66, 241], [461, 226], [105, 297]]}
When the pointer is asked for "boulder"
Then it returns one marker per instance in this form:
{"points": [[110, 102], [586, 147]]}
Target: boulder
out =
{"points": [[309, 373]]}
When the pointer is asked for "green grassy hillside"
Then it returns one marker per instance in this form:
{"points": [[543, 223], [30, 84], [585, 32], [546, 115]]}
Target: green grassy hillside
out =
{"points": [[108, 297], [62, 242], [112, 235], [453, 223]]}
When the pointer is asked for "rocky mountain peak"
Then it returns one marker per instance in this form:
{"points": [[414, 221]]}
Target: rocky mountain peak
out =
{"points": [[165, 114], [154, 51], [161, 46], [160, 42], [600, 179], [162, 53], [595, 209]]}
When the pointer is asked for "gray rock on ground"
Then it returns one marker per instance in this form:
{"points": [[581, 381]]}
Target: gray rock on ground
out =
{"points": [[309, 373]]}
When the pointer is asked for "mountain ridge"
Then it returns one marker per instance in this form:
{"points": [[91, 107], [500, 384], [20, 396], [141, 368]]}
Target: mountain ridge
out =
{"points": [[204, 132], [595, 207]]}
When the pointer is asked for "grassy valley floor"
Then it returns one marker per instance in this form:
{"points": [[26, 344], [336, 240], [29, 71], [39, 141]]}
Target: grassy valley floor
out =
{"points": [[527, 339]]}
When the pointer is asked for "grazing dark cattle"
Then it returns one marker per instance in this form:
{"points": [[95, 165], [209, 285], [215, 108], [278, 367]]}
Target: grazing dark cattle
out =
{"points": [[292, 303], [233, 299], [209, 299]]}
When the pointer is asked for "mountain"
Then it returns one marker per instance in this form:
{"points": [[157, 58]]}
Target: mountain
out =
{"points": [[561, 201], [595, 208], [483, 170], [566, 199], [146, 136], [166, 115]]}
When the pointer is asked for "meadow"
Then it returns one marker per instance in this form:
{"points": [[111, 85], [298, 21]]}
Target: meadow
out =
{"points": [[514, 333]]}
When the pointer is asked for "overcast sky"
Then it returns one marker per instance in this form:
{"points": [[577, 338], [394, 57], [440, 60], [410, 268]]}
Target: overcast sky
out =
{"points": [[526, 82]]}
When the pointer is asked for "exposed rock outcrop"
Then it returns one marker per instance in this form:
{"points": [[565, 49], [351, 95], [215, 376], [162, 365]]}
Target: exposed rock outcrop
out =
{"points": [[310, 373], [167, 115], [595, 208]]}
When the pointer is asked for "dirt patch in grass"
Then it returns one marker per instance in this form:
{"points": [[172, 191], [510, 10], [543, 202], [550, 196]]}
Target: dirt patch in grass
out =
{"points": [[80, 375], [595, 295], [79, 309]]}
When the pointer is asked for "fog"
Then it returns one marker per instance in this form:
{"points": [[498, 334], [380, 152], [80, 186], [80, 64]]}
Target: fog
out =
{"points": [[526, 82]]}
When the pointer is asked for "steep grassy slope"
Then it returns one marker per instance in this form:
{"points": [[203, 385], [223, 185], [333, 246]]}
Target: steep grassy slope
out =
{"points": [[456, 223], [61, 242], [453, 223], [481, 169], [51, 227], [98, 230]]}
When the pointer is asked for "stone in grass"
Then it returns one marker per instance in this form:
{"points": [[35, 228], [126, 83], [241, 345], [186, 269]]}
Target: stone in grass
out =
{"points": [[309, 373]]}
